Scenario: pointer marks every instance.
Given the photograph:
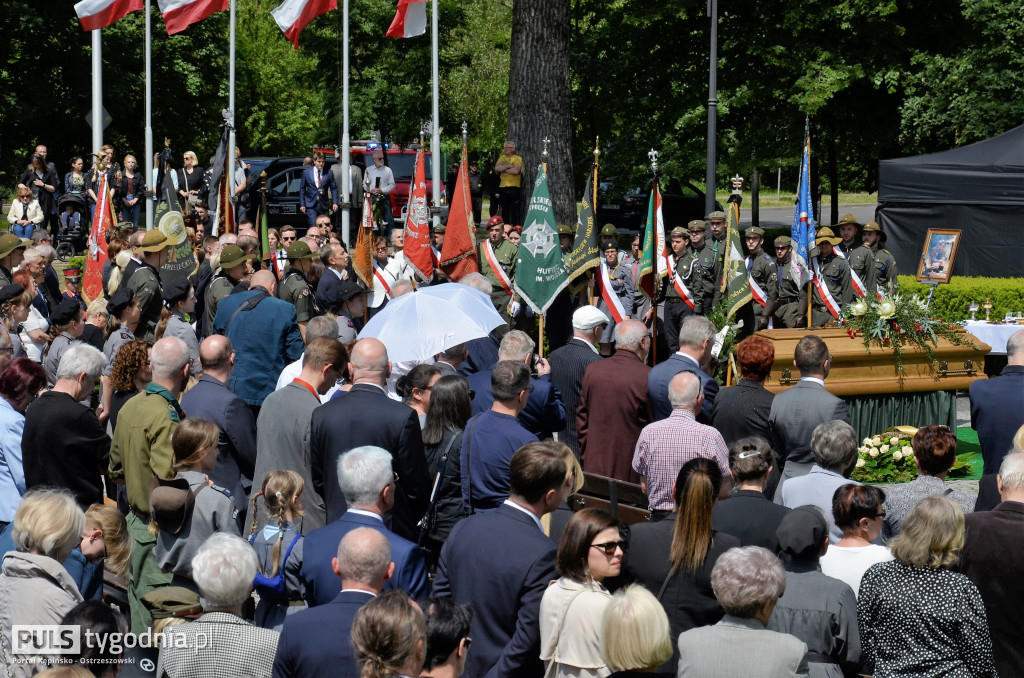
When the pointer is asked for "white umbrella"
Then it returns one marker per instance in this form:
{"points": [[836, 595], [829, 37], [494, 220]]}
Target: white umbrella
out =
{"points": [[421, 324]]}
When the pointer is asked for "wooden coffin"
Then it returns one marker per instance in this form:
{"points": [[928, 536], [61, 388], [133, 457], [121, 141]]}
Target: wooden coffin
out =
{"points": [[859, 371]]}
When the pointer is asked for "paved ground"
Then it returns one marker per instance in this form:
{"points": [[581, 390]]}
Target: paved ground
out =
{"points": [[782, 217]]}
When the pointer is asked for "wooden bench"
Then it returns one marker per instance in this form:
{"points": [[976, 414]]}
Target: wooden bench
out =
{"points": [[625, 501]]}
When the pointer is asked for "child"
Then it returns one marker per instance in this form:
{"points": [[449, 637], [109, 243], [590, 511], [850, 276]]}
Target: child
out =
{"points": [[279, 550], [105, 545], [189, 508]]}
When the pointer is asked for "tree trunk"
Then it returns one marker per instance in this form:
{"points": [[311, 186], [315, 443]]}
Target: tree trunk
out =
{"points": [[540, 99]]}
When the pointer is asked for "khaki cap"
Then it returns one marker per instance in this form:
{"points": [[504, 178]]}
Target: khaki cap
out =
{"points": [[697, 225], [299, 250], [848, 219], [232, 255], [826, 235], [154, 241], [10, 242]]}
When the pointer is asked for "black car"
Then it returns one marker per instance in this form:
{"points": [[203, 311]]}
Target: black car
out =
{"points": [[681, 202]]}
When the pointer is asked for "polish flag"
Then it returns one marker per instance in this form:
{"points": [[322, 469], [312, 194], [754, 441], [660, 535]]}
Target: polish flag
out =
{"points": [[180, 14], [293, 15], [95, 14], [410, 19]]}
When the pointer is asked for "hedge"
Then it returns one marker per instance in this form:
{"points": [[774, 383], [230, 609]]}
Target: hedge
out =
{"points": [[950, 301]]}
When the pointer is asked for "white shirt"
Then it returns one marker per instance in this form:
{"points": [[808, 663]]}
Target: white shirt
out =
{"points": [[35, 321], [587, 344], [820, 382], [509, 502], [368, 514], [387, 179], [397, 268], [849, 563]]}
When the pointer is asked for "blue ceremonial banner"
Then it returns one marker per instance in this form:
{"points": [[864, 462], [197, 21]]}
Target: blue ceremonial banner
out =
{"points": [[804, 230]]}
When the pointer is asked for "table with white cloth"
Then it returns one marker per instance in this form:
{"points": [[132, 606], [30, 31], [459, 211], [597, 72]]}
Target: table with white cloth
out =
{"points": [[995, 335]]}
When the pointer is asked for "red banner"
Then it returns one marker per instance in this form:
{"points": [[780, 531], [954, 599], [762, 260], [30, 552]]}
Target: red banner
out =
{"points": [[458, 252], [103, 220], [417, 224], [362, 251]]}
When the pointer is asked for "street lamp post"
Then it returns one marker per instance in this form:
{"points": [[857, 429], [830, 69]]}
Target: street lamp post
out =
{"points": [[709, 188]]}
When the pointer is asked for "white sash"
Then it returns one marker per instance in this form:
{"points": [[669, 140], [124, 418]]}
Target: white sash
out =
{"points": [[377, 274], [437, 257], [611, 300], [492, 261], [826, 296], [680, 288], [858, 285], [758, 293]]}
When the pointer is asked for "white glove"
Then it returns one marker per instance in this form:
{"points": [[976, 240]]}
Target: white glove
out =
{"points": [[528, 311], [513, 309]]}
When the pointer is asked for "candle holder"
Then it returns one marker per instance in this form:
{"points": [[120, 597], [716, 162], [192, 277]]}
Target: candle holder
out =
{"points": [[973, 308]]}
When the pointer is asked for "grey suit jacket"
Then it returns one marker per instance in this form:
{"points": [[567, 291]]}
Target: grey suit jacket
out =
{"points": [[794, 415], [740, 647]]}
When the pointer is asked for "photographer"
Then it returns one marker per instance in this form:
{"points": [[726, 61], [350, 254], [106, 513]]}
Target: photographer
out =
{"points": [[379, 181], [318, 193]]}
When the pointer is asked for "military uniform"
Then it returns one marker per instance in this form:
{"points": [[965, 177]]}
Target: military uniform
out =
{"points": [[145, 282], [883, 269], [506, 254], [621, 278], [688, 270], [860, 259], [8, 243], [762, 269], [704, 277], [297, 292], [5, 277], [790, 293], [113, 344], [218, 288], [142, 447], [835, 274], [720, 249]]}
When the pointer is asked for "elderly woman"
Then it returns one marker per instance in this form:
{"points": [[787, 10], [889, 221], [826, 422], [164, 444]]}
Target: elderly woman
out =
{"points": [[389, 635], [25, 214], [817, 609], [834, 446], [917, 616], [221, 642], [858, 513], [20, 383], [34, 333], [934, 455], [35, 588], [748, 514], [748, 582], [742, 410], [590, 550], [635, 634]]}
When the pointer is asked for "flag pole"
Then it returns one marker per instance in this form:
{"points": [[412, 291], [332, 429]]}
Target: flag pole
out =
{"points": [[435, 134], [593, 193], [540, 338], [97, 90], [230, 160], [346, 169], [810, 285], [150, 203], [655, 286]]}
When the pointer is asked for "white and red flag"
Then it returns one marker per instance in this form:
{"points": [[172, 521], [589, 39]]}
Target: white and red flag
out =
{"points": [[180, 14], [410, 19], [93, 14], [294, 15]]}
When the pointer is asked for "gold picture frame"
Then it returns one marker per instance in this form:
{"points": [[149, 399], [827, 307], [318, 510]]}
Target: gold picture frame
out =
{"points": [[940, 246]]}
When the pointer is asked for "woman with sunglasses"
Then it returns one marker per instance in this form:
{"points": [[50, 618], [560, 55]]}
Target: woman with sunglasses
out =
{"points": [[572, 609], [25, 214]]}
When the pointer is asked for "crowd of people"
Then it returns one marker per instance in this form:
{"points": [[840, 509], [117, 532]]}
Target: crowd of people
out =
{"points": [[280, 498]]}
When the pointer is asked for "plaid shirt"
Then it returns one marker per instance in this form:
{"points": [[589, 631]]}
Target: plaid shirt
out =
{"points": [[666, 445], [218, 644]]}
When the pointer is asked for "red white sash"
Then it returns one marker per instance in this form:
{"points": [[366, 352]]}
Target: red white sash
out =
{"points": [[377, 273], [858, 285], [758, 293], [492, 261], [680, 288], [826, 296], [437, 257], [611, 300]]}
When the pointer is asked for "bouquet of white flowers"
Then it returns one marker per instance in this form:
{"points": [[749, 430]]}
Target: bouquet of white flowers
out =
{"points": [[889, 458]]}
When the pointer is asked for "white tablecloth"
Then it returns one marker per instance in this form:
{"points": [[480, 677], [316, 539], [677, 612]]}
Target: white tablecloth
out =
{"points": [[995, 336]]}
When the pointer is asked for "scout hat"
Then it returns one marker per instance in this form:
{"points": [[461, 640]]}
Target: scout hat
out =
{"points": [[697, 225], [588, 317], [609, 229], [609, 245], [717, 214], [347, 290], [563, 229], [171, 503], [232, 255], [826, 235], [154, 241], [783, 241], [176, 291], [875, 228], [848, 219], [440, 228], [119, 301], [173, 601], [754, 230], [12, 291], [66, 312], [10, 242], [298, 250], [679, 232], [802, 533]]}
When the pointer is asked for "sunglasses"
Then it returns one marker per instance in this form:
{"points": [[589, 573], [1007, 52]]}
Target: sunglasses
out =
{"points": [[610, 547], [286, 238]]}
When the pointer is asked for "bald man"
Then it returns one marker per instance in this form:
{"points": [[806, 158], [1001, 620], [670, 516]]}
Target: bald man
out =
{"points": [[211, 399], [367, 416], [265, 334]]}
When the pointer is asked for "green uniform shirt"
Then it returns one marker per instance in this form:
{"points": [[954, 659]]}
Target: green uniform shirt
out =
{"points": [[720, 248], [704, 278], [142, 442], [860, 260], [297, 292], [883, 273], [835, 272], [145, 283], [763, 271], [219, 288], [689, 270], [507, 254], [5, 277]]}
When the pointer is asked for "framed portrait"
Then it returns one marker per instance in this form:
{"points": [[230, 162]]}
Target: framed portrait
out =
{"points": [[938, 254]]}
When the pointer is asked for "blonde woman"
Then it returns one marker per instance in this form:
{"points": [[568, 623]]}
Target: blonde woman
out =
{"points": [[130, 191], [190, 177], [635, 632], [25, 214]]}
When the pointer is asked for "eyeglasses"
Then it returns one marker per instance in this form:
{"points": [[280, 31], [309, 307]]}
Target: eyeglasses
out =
{"points": [[287, 238], [881, 515], [610, 547]]}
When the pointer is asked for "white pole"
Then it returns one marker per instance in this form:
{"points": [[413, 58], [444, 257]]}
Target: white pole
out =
{"points": [[229, 164], [346, 169], [97, 90], [149, 116], [778, 185], [435, 135]]}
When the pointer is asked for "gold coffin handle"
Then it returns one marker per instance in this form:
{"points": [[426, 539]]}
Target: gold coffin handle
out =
{"points": [[944, 371], [787, 377]]}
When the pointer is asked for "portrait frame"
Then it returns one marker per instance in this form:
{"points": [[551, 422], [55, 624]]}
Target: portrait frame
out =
{"points": [[936, 263]]}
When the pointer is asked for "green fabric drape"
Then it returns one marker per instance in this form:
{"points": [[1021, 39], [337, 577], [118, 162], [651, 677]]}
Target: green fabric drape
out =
{"points": [[872, 414]]}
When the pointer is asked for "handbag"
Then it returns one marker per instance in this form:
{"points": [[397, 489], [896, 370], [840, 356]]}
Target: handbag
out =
{"points": [[430, 517]]}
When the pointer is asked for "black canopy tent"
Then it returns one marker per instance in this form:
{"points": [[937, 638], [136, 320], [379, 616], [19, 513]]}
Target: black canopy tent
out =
{"points": [[978, 189]]}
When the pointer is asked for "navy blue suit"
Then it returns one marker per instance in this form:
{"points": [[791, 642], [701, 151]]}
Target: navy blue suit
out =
{"points": [[320, 546], [309, 195], [315, 642], [483, 353], [997, 411], [544, 413], [657, 387], [236, 449], [500, 562]]}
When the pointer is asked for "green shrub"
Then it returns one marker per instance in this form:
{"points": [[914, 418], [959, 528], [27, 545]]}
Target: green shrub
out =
{"points": [[951, 301]]}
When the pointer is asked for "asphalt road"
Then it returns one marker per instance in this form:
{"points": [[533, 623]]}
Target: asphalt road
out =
{"points": [[782, 217]]}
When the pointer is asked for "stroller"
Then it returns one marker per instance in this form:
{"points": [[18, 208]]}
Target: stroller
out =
{"points": [[73, 235]]}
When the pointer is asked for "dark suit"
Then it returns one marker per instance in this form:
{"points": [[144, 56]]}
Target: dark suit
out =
{"points": [[320, 546], [309, 193], [613, 410], [544, 413], [501, 563], [236, 449], [751, 517], [483, 353], [327, 288], [742, 410], [688, 600], [997, 411], [568, 364], [993, 558], [314, 643], [659, 378], [795, 413], [367, 416]]}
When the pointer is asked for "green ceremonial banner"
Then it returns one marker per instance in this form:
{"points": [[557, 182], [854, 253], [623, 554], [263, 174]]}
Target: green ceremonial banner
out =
{"points": [[540, 273], [737, 286], [586, 250]]}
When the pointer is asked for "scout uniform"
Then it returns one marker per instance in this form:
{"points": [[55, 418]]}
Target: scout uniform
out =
{"points": [[790, 293], [609, 232], [8, 243], [720, 247], [295, 289], [764, 278], [505, 256], [222, 283], [116, 304], [687, 270], [704, 277], [883, 271], [621, 282], [834, 274], [65, 314], [145, 282], [859, 257]]}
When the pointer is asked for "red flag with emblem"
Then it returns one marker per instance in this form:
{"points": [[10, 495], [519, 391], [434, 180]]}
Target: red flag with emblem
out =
{"points": [[417, 224], [458, 252], [92, 287]]}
